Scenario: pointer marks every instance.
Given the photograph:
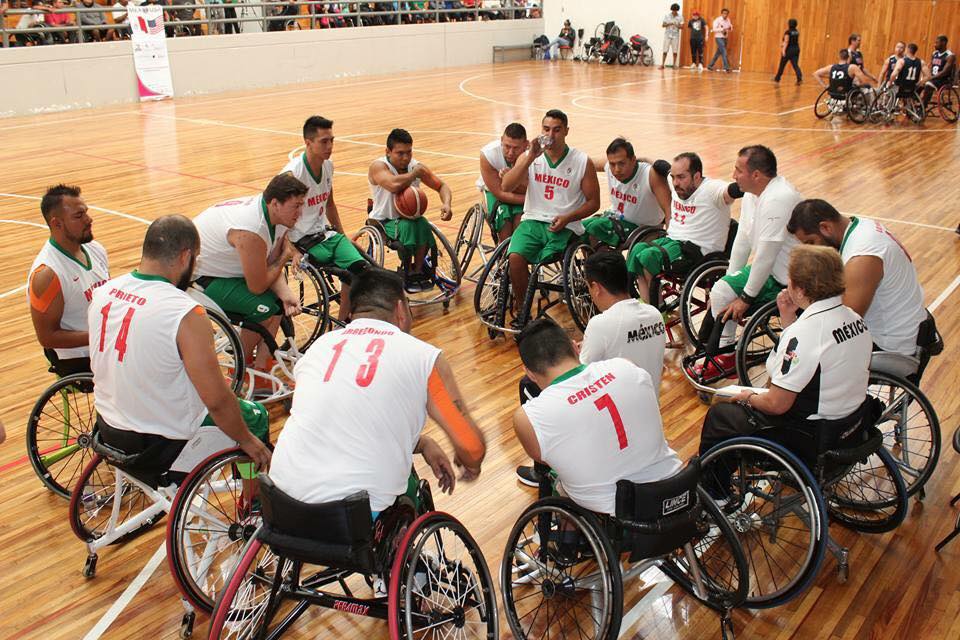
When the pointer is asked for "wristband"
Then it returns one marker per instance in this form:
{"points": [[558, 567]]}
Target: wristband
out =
{"points": [[748, 298], [733, 190]]}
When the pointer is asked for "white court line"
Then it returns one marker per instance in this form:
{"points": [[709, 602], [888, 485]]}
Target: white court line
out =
{"points": [[576, 102], [611, 86], [944, 294], [646, 602], [910, 222], [783, 113], [90, 206], [641, 101], [129, 594], [22, 287]]}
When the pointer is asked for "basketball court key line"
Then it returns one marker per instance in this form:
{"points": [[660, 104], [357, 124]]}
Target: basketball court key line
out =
{"points": [[128, 595]]}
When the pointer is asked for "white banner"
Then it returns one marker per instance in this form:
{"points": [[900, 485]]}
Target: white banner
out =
{"points": [[150, 52]]}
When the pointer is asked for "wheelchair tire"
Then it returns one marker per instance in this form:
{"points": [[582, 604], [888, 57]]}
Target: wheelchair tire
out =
{"points": [[525, 550], [760, 336], [913, 107], [468, 237], [92, 501], [372, 242], [209, 526], [60, 432], [647, 56], [226, 344], [623, 56], [721, 561], [784, 558], [575, 291], [311, 289], [916, 448], [948, 103], [459, 588], [871, 497], [695, 298], [821, 107], [858, 107], [493, 298], [446, 272]]}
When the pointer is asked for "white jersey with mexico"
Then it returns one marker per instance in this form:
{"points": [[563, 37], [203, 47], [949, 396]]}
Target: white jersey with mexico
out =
{"points": [[823, 357], [629, 329], [140, 383], [600, 423], [77, 283], [634, 200], [703, 218], [765, 218], [218, 258], [493, 152], [313, 219], [358, 409], [897, 308], [554, 189], [383, 208]]}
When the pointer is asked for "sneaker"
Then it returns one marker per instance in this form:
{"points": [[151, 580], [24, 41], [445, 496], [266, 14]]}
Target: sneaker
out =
{"points": [[728, 361], [693, 66], [528, 476], [413, 284], [700, 67], [379, 588]]}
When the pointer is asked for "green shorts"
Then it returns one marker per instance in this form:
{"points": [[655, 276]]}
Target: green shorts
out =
{"points": [[602, 228], [499, 213], [738, 280], [411, 234], [533, 240], [647, 256], [257, 419], [337, 250], [233, 296]]}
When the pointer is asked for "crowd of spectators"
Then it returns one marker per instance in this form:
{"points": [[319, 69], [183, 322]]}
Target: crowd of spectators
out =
{"points": [[53, 21]]}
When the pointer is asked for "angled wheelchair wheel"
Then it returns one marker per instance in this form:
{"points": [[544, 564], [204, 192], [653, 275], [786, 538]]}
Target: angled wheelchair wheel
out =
{"points": [[760, 336], [858, 107], [468, 237], [883, 105], [213, 516], [311, 288], [440, 584], [575, 291], [559, 576], [914, 109], [444, 268], [493, 297], [60, 432], [371, 241], [948, 103], [870, 497], [773, 503], [718, 559], [695, 299], [226, 344], [93, 501], [821, 108], [910, 427]]}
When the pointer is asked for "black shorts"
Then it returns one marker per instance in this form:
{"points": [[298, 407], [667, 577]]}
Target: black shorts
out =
{"points": [[156, 453], [67, 366], [939, 82]]}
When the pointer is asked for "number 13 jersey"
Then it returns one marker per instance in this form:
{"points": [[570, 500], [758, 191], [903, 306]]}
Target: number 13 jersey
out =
{"points": [[553, 189]]}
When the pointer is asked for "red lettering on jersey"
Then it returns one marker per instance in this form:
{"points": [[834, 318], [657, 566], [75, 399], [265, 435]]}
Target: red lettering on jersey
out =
{"points": [[616, 194], [881, 229], [119, 294], [590, 389], [88, 294], [545, 178], [318, 199]]}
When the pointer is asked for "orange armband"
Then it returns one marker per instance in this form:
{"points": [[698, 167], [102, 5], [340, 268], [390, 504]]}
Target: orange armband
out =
{"points": [[461, 432], [41, 300]]}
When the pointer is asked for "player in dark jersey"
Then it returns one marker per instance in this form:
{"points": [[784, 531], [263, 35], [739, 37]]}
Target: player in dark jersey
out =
{"points": [[856, 58], [886, 72], [943, 69], [841, 76], [908, 71]]}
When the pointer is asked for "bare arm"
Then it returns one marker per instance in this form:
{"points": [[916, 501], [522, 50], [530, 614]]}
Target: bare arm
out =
{"points": [[661, 191], [526, 434], [380, 175], [822, 73], [948, 68], [491, 179], [333, 214], [446, 406], [46, 311], [252, 250], [195, 343], [862, 275], [513, 178], [783, 44], [775, 402]]}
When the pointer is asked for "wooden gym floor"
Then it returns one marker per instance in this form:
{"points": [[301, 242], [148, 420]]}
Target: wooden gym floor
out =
{"points": [[135, 163]]}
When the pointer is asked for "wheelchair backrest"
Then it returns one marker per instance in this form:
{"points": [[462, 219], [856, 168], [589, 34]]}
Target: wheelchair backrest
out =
{"points": [[731, 236], [335, 534]]}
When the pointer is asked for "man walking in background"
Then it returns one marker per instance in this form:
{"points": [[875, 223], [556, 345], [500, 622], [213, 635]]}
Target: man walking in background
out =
{"points": [[698, 35], [672, 23], [721, 31]]}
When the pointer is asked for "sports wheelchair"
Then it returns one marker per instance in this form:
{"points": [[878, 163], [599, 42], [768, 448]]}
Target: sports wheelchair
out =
{"points": [[470, 239], [305, 555], [440, 263], [564, 569], [856, 104], [892, 101], [946, 101], [606, 43], [214, 512], [638, 51], [781, 499], [909, 423]]}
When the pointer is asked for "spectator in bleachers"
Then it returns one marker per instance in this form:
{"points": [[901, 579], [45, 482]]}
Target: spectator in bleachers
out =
{"points": [[120, 18], [232, 25], [93, 19], [55, 20], [179, 15], [282, 14]]}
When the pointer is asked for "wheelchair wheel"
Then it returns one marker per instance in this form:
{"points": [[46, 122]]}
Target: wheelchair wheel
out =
{"points": [[821, 108], [60, 431], [913, 107], [871, 497], [311, 288], [775, 506], [440, 582], [948, 101], [910, 427], [883, 105], [623, 56], [575, 290], [721, 562], [371, 240], [468, 237], [93, 501], [559, 575], [493, 297], [695, 298], [213, 516], [760, 336], [226, 344], [858, 107], [647, 56], [442, 263]]}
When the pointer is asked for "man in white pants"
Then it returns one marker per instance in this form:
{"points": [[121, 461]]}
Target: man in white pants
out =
{"points": [[672, 23], [768, 201]]}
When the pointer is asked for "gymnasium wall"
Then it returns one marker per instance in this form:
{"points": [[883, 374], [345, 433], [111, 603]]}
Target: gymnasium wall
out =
{"points": [[632, 16], [54, 78]]}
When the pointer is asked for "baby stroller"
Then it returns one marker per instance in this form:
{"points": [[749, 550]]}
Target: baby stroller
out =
{"points": [[638, 50]]}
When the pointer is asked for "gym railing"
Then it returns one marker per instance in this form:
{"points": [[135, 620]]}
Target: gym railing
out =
{"points": [[270, 16]]}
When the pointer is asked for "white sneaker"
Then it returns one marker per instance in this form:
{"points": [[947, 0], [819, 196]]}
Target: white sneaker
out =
{"points": [[379, 588], [693, 66], [700, 67]]}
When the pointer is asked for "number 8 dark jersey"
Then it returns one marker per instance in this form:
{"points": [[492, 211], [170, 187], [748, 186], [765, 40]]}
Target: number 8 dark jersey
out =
{"points": [[840, 80], [938, 60]]}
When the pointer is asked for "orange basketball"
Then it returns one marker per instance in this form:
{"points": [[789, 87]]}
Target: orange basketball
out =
{"points": [[411, 202]]}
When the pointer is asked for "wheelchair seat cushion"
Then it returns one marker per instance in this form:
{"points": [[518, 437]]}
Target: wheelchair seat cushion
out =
{"points": [[147, 457], [333, 534]]}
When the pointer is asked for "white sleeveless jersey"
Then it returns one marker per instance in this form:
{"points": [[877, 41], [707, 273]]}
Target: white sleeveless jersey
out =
{"points": [[313, 219], [703, 218], [633, 200], [493, 152], [598, 424], [383, 208], [140, 383], [765, 218], [358, 409], [77, 283], [218, 258], [553, 190], [897, 308]]}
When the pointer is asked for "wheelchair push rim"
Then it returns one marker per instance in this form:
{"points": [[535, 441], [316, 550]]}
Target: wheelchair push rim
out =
{"points": [[870, 497], [314, 320], [493, 296], [576, 293]]}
